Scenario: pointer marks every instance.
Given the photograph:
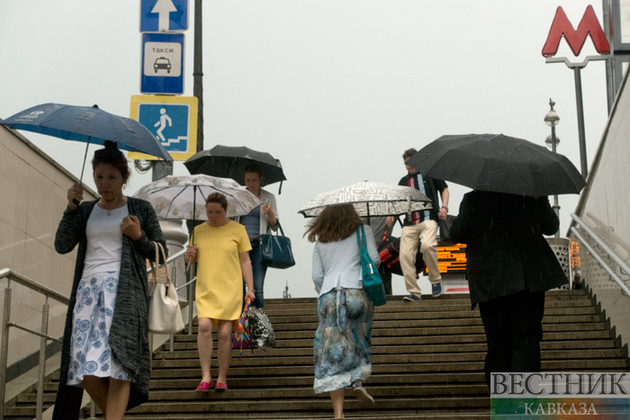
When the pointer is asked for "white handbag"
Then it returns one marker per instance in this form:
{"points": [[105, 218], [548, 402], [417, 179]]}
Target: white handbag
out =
{"points": [[165, 315]]}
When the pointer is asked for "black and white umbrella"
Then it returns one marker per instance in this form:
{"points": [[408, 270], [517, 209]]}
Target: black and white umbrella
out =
{"points": [[370, 199]]}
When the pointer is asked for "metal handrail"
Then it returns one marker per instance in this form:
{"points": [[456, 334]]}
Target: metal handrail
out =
{"points": [[31, 284], [606, 249], [11, 275]]}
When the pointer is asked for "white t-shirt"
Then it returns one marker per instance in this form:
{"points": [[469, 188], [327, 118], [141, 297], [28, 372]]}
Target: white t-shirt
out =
{"points": [[104, 240]]}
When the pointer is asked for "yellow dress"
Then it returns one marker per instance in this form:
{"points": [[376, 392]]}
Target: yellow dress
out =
{"points": [[219, 288]]}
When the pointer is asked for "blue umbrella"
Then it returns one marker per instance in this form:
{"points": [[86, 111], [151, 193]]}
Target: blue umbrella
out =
{"points": [[87, 124]]}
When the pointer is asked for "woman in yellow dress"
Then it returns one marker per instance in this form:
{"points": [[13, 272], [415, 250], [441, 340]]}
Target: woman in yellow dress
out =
{"points": [[222, 249]]}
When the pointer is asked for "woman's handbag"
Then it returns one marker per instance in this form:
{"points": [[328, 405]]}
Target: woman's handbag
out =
{"points": [[371, 278], [261, 330], [165, 315], [275, 250]]}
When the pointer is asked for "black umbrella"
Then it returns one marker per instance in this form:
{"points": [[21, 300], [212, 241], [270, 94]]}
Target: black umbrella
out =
{"points": [[229, 162], [490, 162]]}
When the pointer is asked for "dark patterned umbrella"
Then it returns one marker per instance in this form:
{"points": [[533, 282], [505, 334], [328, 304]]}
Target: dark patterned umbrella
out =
{"points": [[87, 124]]}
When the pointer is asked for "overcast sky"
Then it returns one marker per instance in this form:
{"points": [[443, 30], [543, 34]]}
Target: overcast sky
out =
{"points": [[336, 90]]}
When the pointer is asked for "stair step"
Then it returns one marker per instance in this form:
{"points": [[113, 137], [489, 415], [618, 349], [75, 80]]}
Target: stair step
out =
{"points": [[399, 353], [427, 362], [216, 403]]}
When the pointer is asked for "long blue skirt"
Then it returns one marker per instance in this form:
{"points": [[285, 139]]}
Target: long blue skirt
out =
{"points": [[342, 341]]}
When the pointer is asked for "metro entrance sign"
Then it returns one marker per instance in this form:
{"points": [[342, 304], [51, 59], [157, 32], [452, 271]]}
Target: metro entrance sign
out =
{"points": [[162, 63], [163, 15]]}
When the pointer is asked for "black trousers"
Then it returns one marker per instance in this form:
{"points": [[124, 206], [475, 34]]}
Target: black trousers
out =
{"points": [[386, 278], [513, 327]]}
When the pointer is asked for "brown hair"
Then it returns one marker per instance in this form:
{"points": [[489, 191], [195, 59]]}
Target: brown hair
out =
{"points": [[252, 168], [217, 198], [111, 155], [409, 152], [334, 223]]}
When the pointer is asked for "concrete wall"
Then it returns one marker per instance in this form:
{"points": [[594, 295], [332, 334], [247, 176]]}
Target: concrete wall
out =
{"points": [[604, 206], [33, 191]]}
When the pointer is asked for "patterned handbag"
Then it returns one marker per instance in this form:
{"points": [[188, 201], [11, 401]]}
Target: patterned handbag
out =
{"points": [[261, 330], [241, 338]]}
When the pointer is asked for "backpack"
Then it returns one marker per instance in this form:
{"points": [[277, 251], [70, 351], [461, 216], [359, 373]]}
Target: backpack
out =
{"points": [[389, 253]]}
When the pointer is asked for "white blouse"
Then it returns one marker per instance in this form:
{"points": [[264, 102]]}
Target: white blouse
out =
{"points": [[104, 240], [338, 264]]}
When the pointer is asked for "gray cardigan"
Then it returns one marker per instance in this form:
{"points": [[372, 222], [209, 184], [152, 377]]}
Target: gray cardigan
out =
{"points": [[129, 331]]}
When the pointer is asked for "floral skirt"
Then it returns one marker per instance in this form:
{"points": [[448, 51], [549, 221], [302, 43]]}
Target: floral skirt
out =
{"points": [[90, 353], [342, 340]]}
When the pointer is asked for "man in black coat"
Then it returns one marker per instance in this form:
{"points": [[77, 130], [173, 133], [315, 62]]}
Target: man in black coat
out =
{"points": [[510, 265]]}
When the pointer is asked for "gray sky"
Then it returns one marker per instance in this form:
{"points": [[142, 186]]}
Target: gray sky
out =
{"points": [[336, 90]]}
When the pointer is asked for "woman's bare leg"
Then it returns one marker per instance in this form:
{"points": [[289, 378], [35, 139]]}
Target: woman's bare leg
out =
{"points": [[117, 399], [336, 397], [224, 349], [110, 395], [98, 389], [204, 344]]}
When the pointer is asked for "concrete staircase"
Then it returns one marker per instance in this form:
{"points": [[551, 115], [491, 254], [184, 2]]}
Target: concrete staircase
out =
{"points": [[427, 360]]}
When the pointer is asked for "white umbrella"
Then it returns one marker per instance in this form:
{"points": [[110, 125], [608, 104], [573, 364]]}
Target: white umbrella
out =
{"points": [[184, 197], [370, 199]]}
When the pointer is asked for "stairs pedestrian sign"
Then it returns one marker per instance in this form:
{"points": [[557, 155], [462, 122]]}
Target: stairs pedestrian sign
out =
{"points": [[172, 120]]}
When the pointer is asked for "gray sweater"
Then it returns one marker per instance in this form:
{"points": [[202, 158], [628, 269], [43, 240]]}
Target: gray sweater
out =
{"points": [[129, 331]]}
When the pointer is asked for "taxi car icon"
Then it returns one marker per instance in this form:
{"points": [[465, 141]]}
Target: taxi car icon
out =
{"points": [[162, 63]]}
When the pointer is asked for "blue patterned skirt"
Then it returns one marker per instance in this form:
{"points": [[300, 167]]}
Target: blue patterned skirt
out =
{"points": [[90, 353], [342, 340]]}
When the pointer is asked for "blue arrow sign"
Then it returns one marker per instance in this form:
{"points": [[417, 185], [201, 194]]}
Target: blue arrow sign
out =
{"points": [[169, 124], [163, 15], [162, 63]]}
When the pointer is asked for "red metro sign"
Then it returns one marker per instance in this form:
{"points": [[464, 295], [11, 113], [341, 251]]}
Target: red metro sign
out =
{"points": [[562, 27]]}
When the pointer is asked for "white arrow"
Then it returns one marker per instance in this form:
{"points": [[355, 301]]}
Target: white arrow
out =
{"points": [[163, 8]]}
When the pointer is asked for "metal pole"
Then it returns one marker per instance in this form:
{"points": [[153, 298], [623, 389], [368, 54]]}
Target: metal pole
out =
{"points": [[42, 361], [580, 110], [161, 169], [191, 290], [556, 207], [4, 350], [198, 73]]}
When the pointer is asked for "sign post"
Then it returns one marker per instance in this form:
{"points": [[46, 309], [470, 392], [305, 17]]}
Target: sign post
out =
{"points": [[576, 38]]}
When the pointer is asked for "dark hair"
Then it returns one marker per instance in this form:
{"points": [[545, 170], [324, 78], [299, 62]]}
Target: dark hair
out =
{"points": [[334, 223], [217, 198], [409, 152], [252, 168], [111, 155]]}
